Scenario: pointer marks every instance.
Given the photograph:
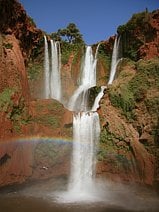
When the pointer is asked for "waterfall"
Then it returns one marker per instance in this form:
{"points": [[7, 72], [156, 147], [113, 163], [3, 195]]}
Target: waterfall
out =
{"points": [[55, 78], [46, 70], [52, 70], [88, 78], [115, 60], [86, 130], [98, 98], [78, 101]]}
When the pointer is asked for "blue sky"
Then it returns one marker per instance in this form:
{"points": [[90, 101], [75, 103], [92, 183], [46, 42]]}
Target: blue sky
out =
{"points": [[97, 20]]}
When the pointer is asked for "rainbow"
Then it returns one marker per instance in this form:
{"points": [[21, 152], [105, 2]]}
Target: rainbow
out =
{"points": [[49, 139], [58, 140]]}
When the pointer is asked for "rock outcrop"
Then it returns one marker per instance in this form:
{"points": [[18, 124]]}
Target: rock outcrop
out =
{"points": [[15, 21], [140, 36], [128, 112], [121, 155], [33, 160], [14, 89]]}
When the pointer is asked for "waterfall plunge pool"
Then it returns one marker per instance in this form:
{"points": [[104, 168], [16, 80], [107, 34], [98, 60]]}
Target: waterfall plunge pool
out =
{"points": [[52, 196]]}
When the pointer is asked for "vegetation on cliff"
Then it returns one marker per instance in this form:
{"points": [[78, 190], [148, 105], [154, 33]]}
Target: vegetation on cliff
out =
{"points": [[70, 34], [137, 32], [14, 20], [129, 110]]}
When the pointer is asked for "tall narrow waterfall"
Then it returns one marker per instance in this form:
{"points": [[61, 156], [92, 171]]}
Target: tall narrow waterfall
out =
{"points": [[115, 60], [78, 101], [47, 70], [88, 78], [52, 68], [86, 130], [55, 78]]}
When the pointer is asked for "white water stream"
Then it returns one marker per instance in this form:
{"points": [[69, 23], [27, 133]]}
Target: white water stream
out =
{"points": [[86, 131], [55, 83], [115, 60], [46, 70], [78, 101], [52, 70], [86, 127]]}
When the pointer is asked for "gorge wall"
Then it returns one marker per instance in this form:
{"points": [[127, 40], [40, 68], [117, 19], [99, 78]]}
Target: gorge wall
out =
{"points": [[129, 141], [129, 110]]}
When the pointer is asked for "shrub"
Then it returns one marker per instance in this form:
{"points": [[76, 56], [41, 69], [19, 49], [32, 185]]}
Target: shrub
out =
{"points": [[67, 49], [127, 95], [48, 120], [5, 98], [8, 45], [123, 98], [34, 71], [31, 20], [135, 33]]}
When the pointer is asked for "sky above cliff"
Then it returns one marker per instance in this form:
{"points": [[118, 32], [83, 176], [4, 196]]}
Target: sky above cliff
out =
{"points": [[97, 20]]}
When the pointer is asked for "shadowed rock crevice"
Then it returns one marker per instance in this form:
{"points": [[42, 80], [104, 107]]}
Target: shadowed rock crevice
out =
{"points": [[4, 159]]}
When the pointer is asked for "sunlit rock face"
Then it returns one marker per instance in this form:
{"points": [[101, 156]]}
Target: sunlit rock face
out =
{"points": [[121, 155], [32, 159], [14, 87], [18, 37], [15, 21], [150, 49], [128, 149], [140, 36]]}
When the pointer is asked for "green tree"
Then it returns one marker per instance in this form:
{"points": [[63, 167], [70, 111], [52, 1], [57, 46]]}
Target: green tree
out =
{"points": [[71, 34], [55, 36]]}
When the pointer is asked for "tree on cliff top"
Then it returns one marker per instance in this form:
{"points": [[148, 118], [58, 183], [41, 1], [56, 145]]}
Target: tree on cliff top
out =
{"points": [[70, 34]]}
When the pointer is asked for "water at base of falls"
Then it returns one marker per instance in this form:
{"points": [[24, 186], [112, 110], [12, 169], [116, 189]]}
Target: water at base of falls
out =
{"points": [[90, 191], [82, 185], [86, 131], [43, 197], [52, 195]]}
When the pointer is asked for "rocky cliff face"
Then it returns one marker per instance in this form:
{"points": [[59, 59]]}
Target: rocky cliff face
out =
{"points": [[14, 21], [20, 53], [33, 160], [14, 89], [129, 119], [129, 110], [21, 44], [140, 36]]}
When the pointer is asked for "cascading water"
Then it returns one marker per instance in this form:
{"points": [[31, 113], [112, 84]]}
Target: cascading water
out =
{"points": [[115, 60], [46, 70], [98, 98], [55, 78], [86, 131], [78, 101], [52, 68], [89, 69]]}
